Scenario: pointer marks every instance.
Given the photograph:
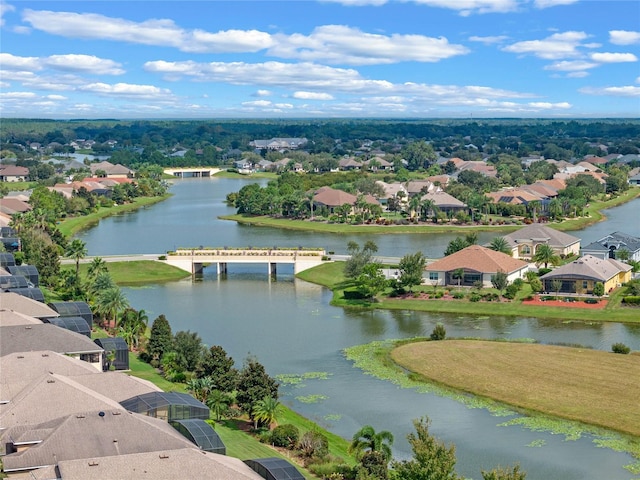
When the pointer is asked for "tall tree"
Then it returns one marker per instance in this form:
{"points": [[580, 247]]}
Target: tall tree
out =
{"points": [[371, 281], [188, 345], [76, 249], [110, 304], [500, 281], [432, 460], [358, 258], [160, 338], [254, 384], [217, 364], [411, 269]]}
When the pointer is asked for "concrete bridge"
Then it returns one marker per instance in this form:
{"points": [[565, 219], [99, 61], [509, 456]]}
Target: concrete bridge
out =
{"points": [[192, 172], [193, 260]]}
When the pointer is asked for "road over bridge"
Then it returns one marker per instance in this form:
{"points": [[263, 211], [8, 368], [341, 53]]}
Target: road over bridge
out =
{"points": [[193, 260]]}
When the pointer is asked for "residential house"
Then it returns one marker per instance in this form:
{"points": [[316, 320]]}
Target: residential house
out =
{"points": [[349, 163], [24, 338], [13, 173], [393, 190], [111, 170], [634, 176], [609, 245], [478, 264], [279, 144], [525, 241], [331, 198], [11, 205], [582, 274], [418, 187], [444, 202]]}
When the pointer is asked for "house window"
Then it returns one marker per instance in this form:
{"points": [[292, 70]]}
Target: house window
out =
{"points": [[525, 250], [585, 284], [433, 275]]}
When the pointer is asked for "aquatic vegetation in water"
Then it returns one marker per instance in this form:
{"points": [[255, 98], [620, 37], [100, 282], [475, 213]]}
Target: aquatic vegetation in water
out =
{"points": [[333, 417], [537, 443], [296, 380], [311, 398]]}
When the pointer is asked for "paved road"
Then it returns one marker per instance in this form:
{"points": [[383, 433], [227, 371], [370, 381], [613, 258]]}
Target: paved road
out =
{"points": [[113, 258]]}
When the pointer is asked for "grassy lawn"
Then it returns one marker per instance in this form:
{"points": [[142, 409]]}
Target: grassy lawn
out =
{"points": [[589, 386], [71, 226], [136, 272], [227, 174], [331, 276]]}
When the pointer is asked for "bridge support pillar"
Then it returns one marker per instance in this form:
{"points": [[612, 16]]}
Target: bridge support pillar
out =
{"points": [[272, 268], [221, 267]]}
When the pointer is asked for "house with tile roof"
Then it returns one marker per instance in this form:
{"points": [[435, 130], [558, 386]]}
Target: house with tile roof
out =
{"points": [[444, 202], [525, 241], [13, 173], [111, 170], [332, 198], [609, 245], [478, 263], [582, 274]]}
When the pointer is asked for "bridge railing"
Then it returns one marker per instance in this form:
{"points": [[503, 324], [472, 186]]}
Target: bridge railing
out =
{"points": [[249, 251]]}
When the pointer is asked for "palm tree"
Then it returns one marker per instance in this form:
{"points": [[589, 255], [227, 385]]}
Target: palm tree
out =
{"points": [[110, 303], [545, 254], [414, 205], [427, 206], [367, 440], [77, 250], [219, 403], [266, 411], [500, 244], [200, 388], [96, 266], [459, 274]]}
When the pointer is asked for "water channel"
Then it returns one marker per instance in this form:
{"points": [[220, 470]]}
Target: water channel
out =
{"points": [[290, 327]]}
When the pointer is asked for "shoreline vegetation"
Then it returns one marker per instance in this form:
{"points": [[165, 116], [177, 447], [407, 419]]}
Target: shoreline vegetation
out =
{"points": [[331, 275], [593, 215], [553, 390]]}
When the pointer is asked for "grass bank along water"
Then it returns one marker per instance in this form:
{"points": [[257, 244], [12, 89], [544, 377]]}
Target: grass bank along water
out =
{"points": [[553, 367]]}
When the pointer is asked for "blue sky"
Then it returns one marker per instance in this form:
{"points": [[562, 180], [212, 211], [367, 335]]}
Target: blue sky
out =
{"points": [[312, 59]]}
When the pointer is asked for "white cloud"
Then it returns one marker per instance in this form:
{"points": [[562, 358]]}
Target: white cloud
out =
{"points": [[17, 95], [159, 32], [624, 37], [258, 103], [571, 65], [312, 96], [613, 57], [552, 3], [84, 63], [340, 44], [126, 90], [489, 39], [71, 62], [624, 91], [580, 74], [4, 8], [56, 97], [465, 7], [547, 105], [263, 93], [554, 47]]}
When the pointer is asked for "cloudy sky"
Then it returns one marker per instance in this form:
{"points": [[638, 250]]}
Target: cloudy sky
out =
{"points": [[330, 58]]}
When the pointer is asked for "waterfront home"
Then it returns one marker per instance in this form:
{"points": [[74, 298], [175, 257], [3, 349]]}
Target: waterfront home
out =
{"points": [[13, 173], [525, 242], [582, 274], [610, 246], [444, 202], [332, 198], [477, 264]]}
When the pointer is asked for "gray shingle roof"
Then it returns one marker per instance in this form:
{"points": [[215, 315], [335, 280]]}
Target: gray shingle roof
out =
{"points": [[27, 306], [174, 464], [91, 435], [553, 237], [589, 266], [27, 338], [619, 239]]}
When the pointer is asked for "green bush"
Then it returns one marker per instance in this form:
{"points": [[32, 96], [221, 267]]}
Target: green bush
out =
{"points": [[458, 295], [591, 301], [286, 435], [518, 283], [598, 289], [474, 297], [439, 294], [313, 444], [620, 348], [511, 291], [543, 271], [353, 294], [632, 300], [439, 332]]}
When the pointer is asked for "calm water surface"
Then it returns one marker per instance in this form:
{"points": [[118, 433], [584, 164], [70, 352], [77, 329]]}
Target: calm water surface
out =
{"points": [[290, 327]]}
